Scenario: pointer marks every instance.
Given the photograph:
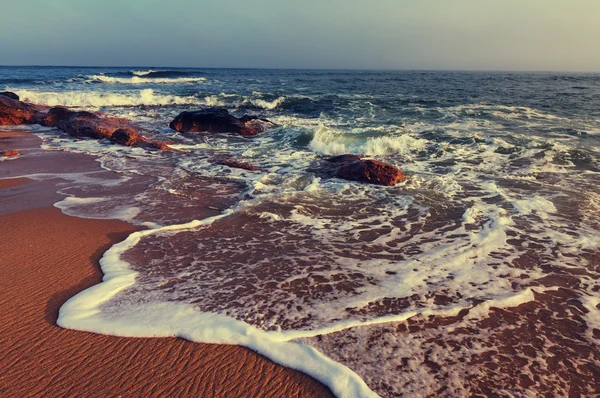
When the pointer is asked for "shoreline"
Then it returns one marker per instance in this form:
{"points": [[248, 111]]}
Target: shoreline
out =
{"points": [[47, 257]]}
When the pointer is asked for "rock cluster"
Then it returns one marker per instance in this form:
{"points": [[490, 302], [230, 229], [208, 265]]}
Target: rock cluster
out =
{"points": [[211, 120], [75, 123]]}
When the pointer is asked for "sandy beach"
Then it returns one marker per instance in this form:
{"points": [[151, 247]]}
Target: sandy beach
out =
{"points": [[46, 257]]}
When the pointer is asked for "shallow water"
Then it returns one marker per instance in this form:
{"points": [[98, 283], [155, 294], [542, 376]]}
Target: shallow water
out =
{"points": [[501, 210]]}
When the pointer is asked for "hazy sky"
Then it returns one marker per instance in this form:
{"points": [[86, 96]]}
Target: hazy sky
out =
{"points": [[367, 34]]}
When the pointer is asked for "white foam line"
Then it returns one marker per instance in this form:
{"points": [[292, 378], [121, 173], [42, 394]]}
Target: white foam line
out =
{"points": [[82, 312], [482, 309]]}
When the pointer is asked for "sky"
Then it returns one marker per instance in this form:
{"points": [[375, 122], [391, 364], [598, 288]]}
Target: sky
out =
{"points": [[540, 35]]}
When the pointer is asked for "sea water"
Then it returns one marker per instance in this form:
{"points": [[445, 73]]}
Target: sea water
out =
{"points": [[400, 290]]}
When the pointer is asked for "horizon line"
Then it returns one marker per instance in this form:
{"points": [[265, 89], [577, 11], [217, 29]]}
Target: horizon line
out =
{"points": [[307, 69]]}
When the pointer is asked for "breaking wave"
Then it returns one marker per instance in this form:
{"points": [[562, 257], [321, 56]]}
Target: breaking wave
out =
{"points": [[328, 141], [144, 79], [89, 99]]}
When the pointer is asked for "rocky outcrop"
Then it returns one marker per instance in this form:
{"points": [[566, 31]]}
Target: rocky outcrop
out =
{"points": [[10, 95], [74, 123], [355, 168], [218, 120], [13, 152], [87, 124], [15, 112], [236, 164]]}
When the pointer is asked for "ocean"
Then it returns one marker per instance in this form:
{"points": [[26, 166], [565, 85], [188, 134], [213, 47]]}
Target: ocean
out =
{"points": [[478, 274]]}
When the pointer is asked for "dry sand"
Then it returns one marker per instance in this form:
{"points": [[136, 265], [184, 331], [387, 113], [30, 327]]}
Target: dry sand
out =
{"points": [[47, 257]]}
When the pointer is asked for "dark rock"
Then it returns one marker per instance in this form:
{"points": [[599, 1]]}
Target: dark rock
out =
{"points": [[11, 153], [10, 95], [218, 120], [237, 164], [14, 112], [354, 168]]}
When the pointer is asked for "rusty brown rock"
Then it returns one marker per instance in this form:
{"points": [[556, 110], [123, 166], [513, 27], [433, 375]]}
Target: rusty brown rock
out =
{"points": [[127, 137], [75, 123], [371, 171], [87, 124], [80, 123], [11, 153], [355, 168], [14, 112]]}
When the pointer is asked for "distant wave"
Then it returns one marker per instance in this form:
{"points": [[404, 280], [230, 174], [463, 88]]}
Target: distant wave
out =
{"points": [[87, 99], [264, 104], [163, 73], [142, 72], [144, 79]]}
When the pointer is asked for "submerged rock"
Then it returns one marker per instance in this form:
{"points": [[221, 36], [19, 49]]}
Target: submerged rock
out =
{"points": [[15, 112], [13, 152], [219, 120], [10, 95], [237, 164], [355, 168]]}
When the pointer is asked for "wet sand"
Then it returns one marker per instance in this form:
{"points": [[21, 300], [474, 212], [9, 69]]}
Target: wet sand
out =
{"points": [[47, 257]]}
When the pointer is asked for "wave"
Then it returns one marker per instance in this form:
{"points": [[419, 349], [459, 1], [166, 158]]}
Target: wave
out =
{"points": [[236, 101], [144, 79], [142, 72], [332, 142], [264, 104], [163, 73], [88, 99]]}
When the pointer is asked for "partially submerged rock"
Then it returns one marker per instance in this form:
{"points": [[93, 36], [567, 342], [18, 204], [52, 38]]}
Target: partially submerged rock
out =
{"points": [[236, 164], [80, 123], [13, 152], [14, 112], [88, 124], [127, 137], [355, 168], [74, 123], [219, 120]]}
